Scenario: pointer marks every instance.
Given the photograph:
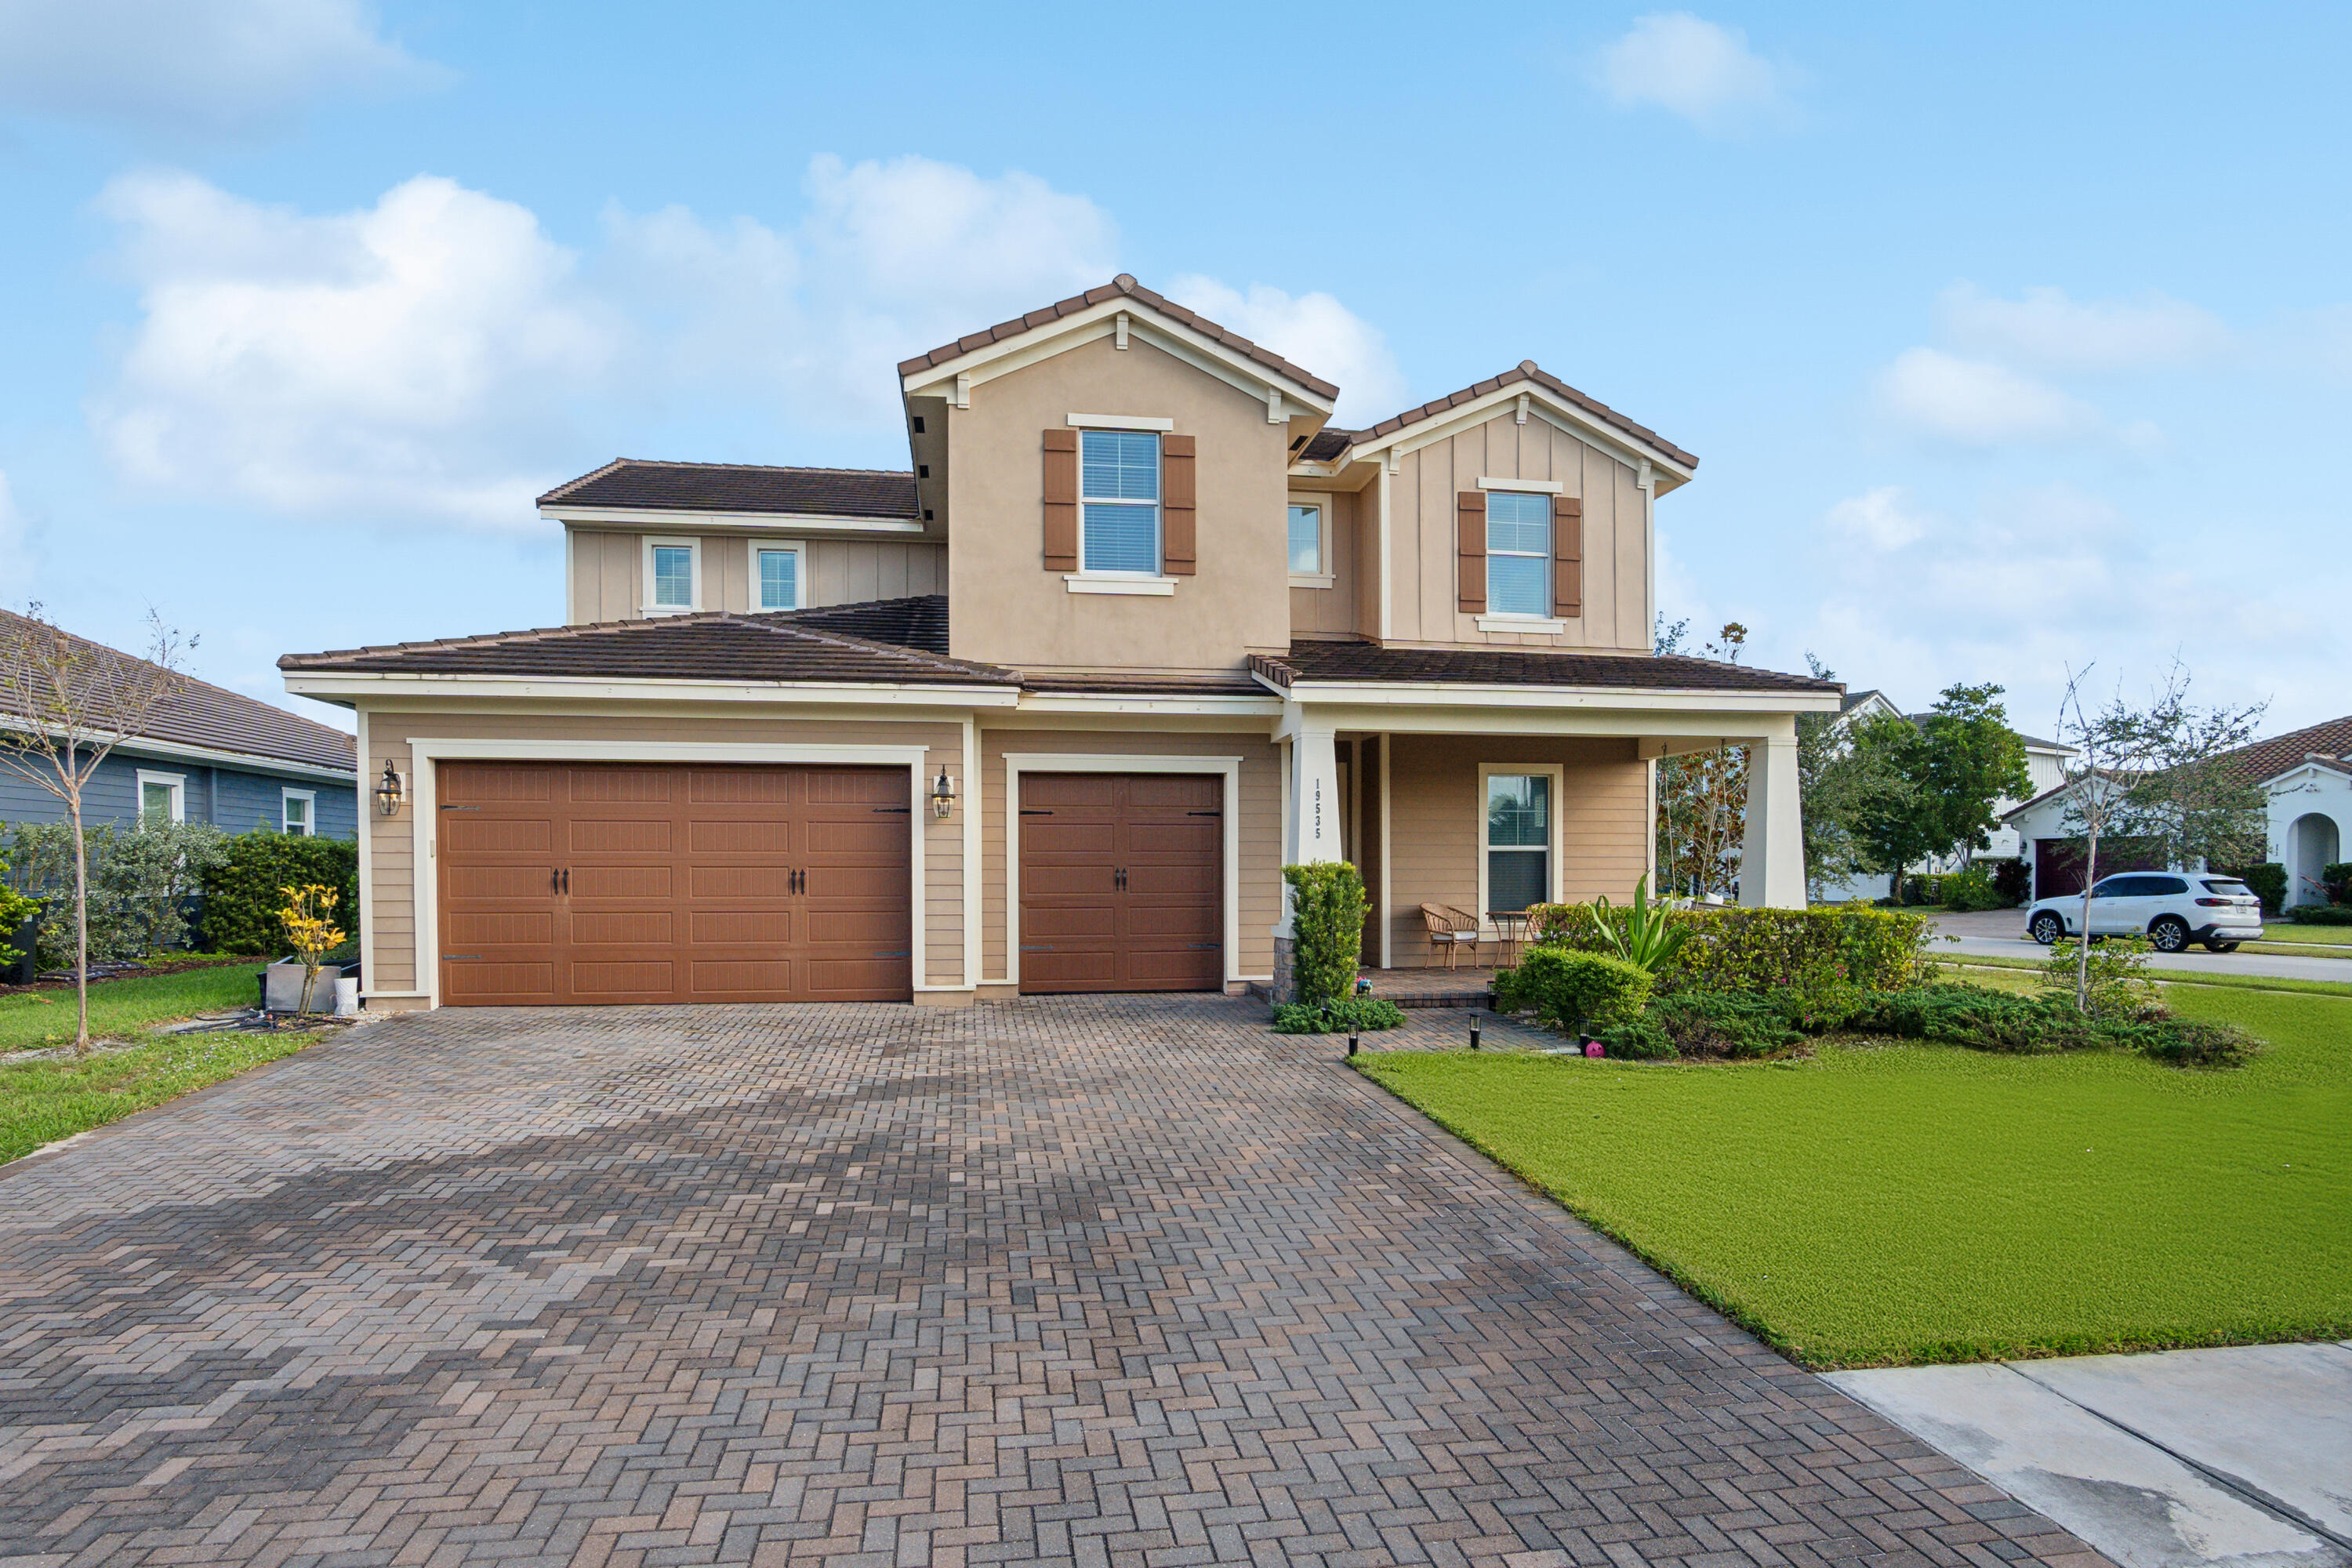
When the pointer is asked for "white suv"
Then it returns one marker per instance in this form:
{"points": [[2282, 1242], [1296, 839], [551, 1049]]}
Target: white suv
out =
{"points": [[2174, 908]]}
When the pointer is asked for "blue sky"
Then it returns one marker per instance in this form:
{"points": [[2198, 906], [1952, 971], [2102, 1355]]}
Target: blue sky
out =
{"points": [[2010, 339]]}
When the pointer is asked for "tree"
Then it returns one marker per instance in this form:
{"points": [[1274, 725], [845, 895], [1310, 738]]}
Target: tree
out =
{"points": [[1837, 781], [1941, 776], [1702, 796], [2157, 775], [64, 704]]}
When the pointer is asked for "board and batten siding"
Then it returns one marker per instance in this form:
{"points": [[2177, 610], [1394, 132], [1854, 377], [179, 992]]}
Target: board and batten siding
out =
{"points": [[607, 568], [393, 962], [1261, 826], [1424, 498], [1338, 610], [1437, 817]]}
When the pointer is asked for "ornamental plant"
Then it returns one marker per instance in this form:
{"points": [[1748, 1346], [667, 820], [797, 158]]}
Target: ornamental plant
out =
{"points": [[310, 930], [1644, 935], [1326, 929]]}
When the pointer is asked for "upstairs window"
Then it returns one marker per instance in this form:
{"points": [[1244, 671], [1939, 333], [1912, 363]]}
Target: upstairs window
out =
{"points": [[1306, 539], [672, 573], [297, 811], [778, 574], [1118, 501], [1518, 554]]}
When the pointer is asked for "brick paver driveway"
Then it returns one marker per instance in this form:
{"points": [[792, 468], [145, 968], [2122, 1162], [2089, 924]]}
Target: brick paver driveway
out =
{"points": [[1124, 1281]]}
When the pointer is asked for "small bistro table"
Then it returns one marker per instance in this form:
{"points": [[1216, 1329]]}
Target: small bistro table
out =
{"points": [[1510, 930]]}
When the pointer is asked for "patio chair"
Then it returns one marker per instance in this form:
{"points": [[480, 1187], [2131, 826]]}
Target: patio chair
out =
{"points": [[1449, 929]]}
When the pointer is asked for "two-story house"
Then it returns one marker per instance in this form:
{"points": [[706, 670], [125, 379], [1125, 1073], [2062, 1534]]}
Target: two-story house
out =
{"points": [[1050, 710]]}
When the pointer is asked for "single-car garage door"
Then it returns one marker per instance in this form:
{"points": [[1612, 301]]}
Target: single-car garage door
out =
{"points": [[572, 884], [1122, 882]]}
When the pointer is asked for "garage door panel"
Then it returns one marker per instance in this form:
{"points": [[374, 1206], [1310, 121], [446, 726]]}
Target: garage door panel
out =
{"points": [[675, 883], [1059, 838], [1185, 838], [1199, 879], [1046, 882], [1174, 792], [1063, 921], [1122, 885], [1047, 969], [1188, 921], [1173, 968], [1103, 790]]}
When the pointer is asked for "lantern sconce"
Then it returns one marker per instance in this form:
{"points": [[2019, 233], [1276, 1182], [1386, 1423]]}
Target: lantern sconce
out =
{"points": [[388, 792], [942, 796]]}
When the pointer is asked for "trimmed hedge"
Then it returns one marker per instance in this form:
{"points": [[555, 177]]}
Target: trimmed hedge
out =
{"points": [[1327, 908], [2337, 878], [244, 893], [2013, 880], [1574, 990], [1762, 948], [2321, 914]]}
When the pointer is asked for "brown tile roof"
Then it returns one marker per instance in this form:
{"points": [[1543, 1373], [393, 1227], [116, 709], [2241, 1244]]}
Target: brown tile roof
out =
{"points": [[1527, 370], [1085, 682], [715, 645], [1122, 284], [921, 622], [2268, 758], [1363, 661], [1327, 443], [196, 713], [742, 486]]}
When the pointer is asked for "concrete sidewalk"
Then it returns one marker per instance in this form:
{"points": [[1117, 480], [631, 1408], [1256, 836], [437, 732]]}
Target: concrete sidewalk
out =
{"points": [[2181, 1460]]}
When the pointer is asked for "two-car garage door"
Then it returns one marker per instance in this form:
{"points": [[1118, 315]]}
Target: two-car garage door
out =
{"points": [[567, 884]]}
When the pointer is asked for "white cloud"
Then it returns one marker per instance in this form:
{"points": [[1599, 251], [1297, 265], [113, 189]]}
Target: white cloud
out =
{"points": [[2048, 329], [1976, 403], [200, 65], [1314, 332], [1883, 518], [1699, 69], [398, 360]]}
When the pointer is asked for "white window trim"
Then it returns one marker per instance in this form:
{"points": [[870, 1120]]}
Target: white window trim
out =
{"points": [[646, 571], [177, 783], [1119, 422], [1555, 772], [1518, 620], [1503, 621], [751, 568], [1321, 501], [310, 799], [1526, 486], [1095, 580]]}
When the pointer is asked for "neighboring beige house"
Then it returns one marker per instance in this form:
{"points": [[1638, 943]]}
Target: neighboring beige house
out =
{"points": [[1050, 711]]}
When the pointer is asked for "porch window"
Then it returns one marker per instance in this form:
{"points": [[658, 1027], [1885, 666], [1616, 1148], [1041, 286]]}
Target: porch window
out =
{"points": [[1119, 500], [1518, 554], [1518, 840]]}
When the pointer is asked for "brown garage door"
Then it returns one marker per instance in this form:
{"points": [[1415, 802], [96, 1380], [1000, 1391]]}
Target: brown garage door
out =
{"points": [[1122, 884], [640, 883]]}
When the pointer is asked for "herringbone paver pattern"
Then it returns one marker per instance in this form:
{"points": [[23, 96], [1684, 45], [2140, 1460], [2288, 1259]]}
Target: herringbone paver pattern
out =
{"points": [[1123, 1281]]}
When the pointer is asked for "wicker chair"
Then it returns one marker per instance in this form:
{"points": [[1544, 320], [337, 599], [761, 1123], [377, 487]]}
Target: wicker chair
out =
{"points": [[1449, 929]]}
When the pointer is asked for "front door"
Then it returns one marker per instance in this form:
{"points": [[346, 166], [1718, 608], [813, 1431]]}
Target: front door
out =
{"points": [[1122, 882]]}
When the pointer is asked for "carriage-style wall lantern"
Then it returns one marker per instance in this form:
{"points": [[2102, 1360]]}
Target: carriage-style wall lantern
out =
{"points": [[388, 792], [943, 794]]}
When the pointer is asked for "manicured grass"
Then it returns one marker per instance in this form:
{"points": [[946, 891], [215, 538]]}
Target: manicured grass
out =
{"points": [[1883, 1204], [43, 1101], [31, 1019], [1973, 966]]}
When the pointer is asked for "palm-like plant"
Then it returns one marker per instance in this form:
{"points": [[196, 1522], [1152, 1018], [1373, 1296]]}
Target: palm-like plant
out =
{"points": [[1647, 935]]}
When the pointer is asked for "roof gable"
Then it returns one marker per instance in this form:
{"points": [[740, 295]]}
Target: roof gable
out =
{"points": [[1542, 389], [633, 484]]}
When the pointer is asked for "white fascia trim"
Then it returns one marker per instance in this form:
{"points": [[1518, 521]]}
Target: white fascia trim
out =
{"points": [[1434, 695], [358, 687], [1054, 702], [246, 761], [768, 522], [1319, 580], [989, 361], [427, 752], [1525, 486], [1160, 587], [1550, 624], [1229, 768], [1118, 422], [1566, 417]]}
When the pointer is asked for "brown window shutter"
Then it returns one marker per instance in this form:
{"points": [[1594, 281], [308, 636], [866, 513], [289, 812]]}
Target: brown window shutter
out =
{"points": [[1567, 556], [1061, 501], [1470, 507], [1177, 533]]}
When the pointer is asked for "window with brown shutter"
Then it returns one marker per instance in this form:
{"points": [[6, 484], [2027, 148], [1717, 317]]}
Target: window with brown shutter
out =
{"points": [[1471, 547], [1567, 556], [1061, 501], [1177, 534]]}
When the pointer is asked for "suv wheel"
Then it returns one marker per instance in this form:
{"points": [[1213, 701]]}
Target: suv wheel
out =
{"points": [[2168, 934], [2045, 928]]}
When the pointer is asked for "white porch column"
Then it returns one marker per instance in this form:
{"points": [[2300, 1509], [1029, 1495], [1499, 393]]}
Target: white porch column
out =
{"points": [[1315, 795], [1772, 856]]}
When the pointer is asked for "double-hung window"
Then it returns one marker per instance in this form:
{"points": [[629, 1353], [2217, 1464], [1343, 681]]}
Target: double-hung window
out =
{"points": [[672, 568], [1118, 501], [1518, 841], [298, 810], [162, 798], [1306, 535], [776, 576], [1518, 554]]}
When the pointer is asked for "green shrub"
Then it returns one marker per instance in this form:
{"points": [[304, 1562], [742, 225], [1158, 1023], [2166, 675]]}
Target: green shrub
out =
{"points": [[244, 893], [2321, 914], [2188, 1043], [141, 883], [1360, 1013], [2013, 880], [1326, 929], [1723, 1024], [1573, 990], [1637, 1039], [1972, 889], [2268, 880], [2118, 978], [2043, 1023], [2336, 879], [1759, 949]]}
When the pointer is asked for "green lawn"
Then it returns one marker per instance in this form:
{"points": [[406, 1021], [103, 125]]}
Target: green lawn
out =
{"points": [[41, 1101], [30, 1019], [1908, 1202]]}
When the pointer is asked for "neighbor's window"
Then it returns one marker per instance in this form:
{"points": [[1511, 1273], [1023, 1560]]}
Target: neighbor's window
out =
{"points": [[673, 576], [1306, 540], [1518, 840], [1119, 498], [161, 798], [780, 579], [1518, 555], [296, 812]]}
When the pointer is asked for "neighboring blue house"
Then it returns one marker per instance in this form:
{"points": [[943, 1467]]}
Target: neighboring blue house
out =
{"points": [[211, 755]]}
